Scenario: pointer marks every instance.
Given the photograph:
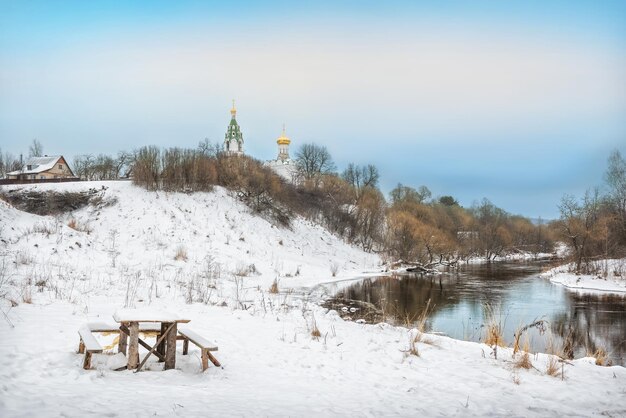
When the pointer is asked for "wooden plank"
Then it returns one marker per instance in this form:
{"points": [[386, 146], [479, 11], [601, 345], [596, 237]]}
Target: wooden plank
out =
{"points": [[123, 341], [113, 327], [161, 347], [133, 345], [170, 347], [213, 359], [185, 346], [87, 361], [205, 359]]}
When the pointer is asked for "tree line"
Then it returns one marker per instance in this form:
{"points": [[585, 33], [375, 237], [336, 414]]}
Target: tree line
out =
{"points": [[411, 225]]}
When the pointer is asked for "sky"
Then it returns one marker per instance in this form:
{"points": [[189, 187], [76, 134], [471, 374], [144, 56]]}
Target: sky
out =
{"points": [[517, 102]]}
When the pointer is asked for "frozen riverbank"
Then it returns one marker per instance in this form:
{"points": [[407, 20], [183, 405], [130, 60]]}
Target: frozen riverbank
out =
{"points": [[610, 277]]}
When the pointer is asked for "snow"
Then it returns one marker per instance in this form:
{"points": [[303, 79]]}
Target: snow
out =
{"points": [[272, 365], [611, 277], [146, 315]]}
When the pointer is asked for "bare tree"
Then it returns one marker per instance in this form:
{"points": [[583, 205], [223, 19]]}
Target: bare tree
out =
{"points": [[206, 149], [11, 163], [35, 149], [122, 163], [314, 160], [577, 223], [361, 177], [615, 177], [408, 194]]}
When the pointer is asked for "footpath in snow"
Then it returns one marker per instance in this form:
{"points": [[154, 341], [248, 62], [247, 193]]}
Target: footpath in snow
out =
{"points": [[206, 257]]}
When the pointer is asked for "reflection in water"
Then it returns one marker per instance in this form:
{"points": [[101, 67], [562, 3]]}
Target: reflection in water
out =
{"points": [[578, 323]]}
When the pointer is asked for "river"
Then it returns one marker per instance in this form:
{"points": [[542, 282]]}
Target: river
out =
{"points": [[576, 323]]}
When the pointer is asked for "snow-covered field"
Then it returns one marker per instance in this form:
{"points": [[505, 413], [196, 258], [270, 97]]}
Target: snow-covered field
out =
{"points": [[123, 252], [611, 277]]}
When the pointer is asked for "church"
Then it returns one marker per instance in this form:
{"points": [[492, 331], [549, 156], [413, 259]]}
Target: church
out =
{"points": [[283, 165]]}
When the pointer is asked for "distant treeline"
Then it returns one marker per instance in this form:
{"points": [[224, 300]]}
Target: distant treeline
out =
{"points": [[411, 225]]}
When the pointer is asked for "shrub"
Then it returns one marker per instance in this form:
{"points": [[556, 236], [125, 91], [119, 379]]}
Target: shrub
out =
{"points": [[274, 287], [523, 362], [181, 254]]}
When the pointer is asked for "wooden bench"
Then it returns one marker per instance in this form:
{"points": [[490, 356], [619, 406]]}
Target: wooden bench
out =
{"points": [[88, 345], [205, 346]]}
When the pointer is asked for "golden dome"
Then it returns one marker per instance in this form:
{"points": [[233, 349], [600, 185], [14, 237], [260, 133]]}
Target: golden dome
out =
{"points": [[283, 140], [233, 111]]}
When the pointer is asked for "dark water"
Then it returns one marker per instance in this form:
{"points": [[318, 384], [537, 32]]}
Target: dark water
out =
{"points": [[576, 323]]}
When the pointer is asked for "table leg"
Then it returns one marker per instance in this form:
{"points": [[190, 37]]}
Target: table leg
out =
{"points": [[170, 347], [133, 345], [161, 348], [123, 341]]}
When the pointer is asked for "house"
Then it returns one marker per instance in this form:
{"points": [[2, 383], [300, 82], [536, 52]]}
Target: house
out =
{"points": [[42, 168]]}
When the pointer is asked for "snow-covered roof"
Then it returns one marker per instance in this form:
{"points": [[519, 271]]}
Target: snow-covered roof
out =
{"points": [[37, 165]]}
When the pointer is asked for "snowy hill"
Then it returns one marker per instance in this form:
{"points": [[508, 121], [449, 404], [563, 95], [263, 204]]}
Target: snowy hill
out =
{"points": [[132, 231], [206, 257]]}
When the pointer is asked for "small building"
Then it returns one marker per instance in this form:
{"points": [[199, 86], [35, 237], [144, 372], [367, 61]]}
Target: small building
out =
{"points": [[233, 140], [43, 168], [283, 165]]}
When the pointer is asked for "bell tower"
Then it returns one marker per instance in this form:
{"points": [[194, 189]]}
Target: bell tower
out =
{"points": [[233, 140]]}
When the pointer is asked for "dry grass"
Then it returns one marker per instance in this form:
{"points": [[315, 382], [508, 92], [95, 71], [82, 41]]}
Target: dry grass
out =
{"points": [[516, 379], [602, 357], [274, 287], [78, 226], [422, 318], [493, 335], [27, 296], [181, 254], [413, 351], [493, 328], [23, 258], [315, 332], [73, 223], [523, 362], [552, 369], [539, 325]]}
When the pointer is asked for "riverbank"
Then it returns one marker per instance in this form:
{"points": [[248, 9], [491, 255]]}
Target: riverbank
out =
{"points": [[608, 276], [206, 257]]}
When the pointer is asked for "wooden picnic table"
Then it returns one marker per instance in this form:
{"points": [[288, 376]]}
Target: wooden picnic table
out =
{"points": [[165, 346]]}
